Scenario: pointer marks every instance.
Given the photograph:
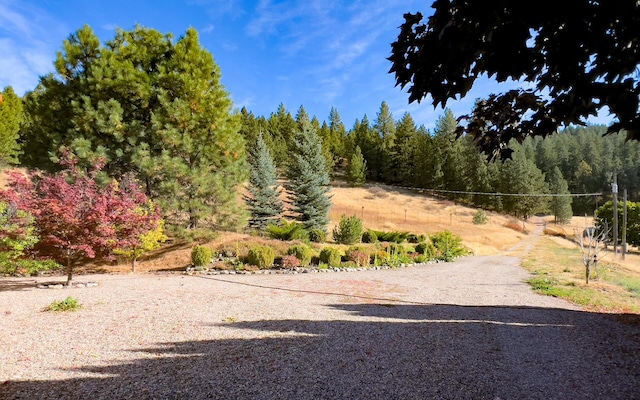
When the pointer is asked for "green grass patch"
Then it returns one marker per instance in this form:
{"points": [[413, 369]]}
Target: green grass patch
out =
{"points": [[558, 271], [630, 284], [68, 304]]}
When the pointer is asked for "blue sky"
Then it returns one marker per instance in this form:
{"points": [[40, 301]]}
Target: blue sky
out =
{"points": [[319, 54]]}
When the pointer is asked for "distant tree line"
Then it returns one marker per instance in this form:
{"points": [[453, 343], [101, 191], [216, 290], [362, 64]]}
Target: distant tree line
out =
{"points": [[399, 152], [137, 102]]}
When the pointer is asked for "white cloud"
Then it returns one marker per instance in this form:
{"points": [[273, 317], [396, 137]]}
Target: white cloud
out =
{"points": [[207, 29], [219, 8], [245, 102], [110, 27], [230, 46], [30, 40], [14, 22]]}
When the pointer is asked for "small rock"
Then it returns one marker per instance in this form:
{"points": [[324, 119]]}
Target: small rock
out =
{"points": [[92, 284], [56, 286]]}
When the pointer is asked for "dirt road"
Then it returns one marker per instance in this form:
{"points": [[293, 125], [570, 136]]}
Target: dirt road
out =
{"points": [[464, 330]]}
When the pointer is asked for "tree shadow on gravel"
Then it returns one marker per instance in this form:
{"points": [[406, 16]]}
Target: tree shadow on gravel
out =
{"points": [[381, 351], [16, 284]]}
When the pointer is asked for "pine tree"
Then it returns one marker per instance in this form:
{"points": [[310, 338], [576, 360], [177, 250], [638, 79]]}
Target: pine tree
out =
{"points": [[403, 157], [325, 136], [560, 206], [450, 161], [308, 183], [203, 159], [337, 135], [10, 119], [384, 128], [147, 105], [371, 147], [356, 169], [280, 129], [264, 202], [521, 176]]}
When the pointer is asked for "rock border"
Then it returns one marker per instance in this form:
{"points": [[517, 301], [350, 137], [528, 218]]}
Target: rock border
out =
{"points": [[299, 270], [58, 285]]}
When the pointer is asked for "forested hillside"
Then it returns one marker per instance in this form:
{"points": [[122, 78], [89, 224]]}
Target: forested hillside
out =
{"points": [[578, 160], [136, 103]]}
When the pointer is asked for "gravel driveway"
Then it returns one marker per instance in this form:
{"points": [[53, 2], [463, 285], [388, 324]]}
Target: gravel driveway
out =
{"points": [[464, 330]]}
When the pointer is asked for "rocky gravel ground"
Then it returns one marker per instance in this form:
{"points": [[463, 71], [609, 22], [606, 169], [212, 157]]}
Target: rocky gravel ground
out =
{"points": [[464, 330]]}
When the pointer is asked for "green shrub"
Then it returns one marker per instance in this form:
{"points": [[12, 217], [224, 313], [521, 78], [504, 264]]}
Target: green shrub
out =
{"points": [[302, 252], [369, 236], [448, 246], [331, 256], [23, 266], [397, 254], [480, 218], [317, 236], [68, 304], [261, 256], [413, 238], [394, 248], [349, 230], [426, 249], [17, 235], [300, 234], [201, 256], [380, 257], [395, 236], [287, 231]]}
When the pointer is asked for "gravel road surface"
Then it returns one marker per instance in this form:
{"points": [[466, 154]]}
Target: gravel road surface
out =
{"points": [[464, 330]]}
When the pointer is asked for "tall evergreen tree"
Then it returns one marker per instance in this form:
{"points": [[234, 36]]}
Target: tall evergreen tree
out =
{"points": [[251, 126], [371, 146], [521, 176], [447, 154], [281, 128], [403, 157], [325, 137], [263, 201], [356, 169], [148, 106], [337, 136], [560, 206], [385, 129], [11, 118], [423, 152], [308, 181]]}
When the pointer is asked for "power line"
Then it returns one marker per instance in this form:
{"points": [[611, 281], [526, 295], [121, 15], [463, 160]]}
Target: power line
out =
{"points": [[498, 193]]}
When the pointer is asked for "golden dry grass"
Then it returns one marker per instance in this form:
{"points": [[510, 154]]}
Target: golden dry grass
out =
{"points": [[389, 208]]}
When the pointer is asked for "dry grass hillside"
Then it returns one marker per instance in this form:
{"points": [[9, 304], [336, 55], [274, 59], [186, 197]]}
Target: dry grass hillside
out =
{"points": [[381, 207]]}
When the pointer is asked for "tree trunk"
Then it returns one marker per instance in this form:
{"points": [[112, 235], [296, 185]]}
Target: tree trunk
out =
{"points": [[134, 265], [69, 271], [587, 272], [193, 221]]}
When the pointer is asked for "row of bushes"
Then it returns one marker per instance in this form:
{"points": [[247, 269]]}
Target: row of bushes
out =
{"points": [[348, 231], [443, 246]]}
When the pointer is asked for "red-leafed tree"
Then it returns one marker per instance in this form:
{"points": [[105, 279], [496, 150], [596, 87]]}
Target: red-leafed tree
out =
{"points": [[77, 218]]}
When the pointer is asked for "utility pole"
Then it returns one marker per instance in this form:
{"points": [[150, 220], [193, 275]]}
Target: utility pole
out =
{"points": [[614, 190]]}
